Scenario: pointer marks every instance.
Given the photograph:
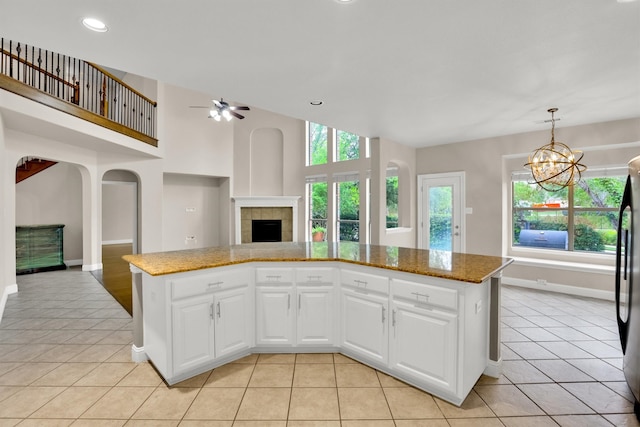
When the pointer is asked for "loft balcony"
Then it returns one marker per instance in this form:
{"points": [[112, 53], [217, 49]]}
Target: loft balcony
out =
{"points": [[77, 87]]}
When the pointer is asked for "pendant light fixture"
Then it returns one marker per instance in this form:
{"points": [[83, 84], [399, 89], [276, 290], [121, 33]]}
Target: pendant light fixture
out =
{"points": [[555, 166]]}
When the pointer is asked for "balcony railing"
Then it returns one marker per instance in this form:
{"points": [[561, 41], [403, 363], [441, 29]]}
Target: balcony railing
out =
{"points": [[85, 89]]}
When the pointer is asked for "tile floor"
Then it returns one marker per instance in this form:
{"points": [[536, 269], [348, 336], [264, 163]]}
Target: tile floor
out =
{"points": [[65, 360]]}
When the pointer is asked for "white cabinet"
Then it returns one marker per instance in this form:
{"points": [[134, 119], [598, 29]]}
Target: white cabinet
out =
{"points": [[275, 322], [233, 321], [424, 344], [193, 338], [316, 308], [365, 324]]}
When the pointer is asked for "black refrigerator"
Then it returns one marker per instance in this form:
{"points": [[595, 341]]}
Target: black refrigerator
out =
{"points": [[628, 278]]}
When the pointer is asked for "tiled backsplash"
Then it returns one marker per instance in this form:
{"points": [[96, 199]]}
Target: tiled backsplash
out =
{"points": [[282, 213]]}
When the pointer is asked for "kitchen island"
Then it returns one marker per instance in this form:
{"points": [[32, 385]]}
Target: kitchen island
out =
{"points": [[429, 318]]}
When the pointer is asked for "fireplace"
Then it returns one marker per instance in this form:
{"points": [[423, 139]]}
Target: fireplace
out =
{"points": [[283, 209], [266, 230]]}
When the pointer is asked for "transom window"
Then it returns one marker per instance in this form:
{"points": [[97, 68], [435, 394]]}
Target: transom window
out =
{"points": [[582, 217]]}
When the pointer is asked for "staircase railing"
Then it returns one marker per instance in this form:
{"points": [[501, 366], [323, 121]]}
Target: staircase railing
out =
{"points": [[81, 83]]}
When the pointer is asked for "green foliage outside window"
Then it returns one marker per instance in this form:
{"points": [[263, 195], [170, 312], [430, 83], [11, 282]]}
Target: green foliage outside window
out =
{"points": [[392, 202], [347, 145], [317, 144]]}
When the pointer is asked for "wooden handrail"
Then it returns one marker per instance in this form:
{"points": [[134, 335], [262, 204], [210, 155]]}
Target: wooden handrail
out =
{"points": [[111, 76], [41, 70]]}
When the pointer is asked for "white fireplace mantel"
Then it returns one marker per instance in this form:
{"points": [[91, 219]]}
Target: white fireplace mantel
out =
{"points": [[265, 202]]}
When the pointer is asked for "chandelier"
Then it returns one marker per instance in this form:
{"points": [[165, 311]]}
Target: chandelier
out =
{"points": [[554, 166]]}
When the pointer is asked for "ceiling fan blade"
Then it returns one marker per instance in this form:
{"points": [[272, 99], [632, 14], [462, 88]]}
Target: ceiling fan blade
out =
{"points": [[236, 115], [199, 106], [217, 103], [239, 108]]}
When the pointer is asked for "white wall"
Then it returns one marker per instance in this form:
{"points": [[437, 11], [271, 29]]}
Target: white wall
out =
{"points": [[119, 200], [54, 196]]}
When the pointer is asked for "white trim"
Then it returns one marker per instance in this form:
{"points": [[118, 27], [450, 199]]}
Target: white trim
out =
{"points": [[138, 355], [265, 201], [560, 288], [11, 289], [494, 368], [398, 230], [73, 262], [565, 265], [116, 242], [92, 267]]}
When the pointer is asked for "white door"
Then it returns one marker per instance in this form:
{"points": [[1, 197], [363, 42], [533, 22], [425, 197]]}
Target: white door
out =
{"points": [[193, 340], [315, 315], [233, 319], [364, 325], [424, 344], [440, 210], [275, 323]]}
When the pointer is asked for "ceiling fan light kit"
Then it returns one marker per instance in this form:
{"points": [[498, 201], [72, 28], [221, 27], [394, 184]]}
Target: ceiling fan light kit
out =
{"points": [[222, 110]]}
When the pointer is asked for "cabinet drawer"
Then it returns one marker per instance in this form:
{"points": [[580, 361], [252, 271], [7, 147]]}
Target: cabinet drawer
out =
{"points": [[274, 275], [314, 275], [207, 283], [364, 281], [425, 294]]}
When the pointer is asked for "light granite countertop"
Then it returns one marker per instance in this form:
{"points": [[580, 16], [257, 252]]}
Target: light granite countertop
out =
{"points": [[463, 267]]}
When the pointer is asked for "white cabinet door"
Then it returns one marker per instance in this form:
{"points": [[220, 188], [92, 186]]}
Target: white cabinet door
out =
{"points": [[193, 342], [364, 324], [232, 321], [275, 323], [424, 344], [315, 315]]}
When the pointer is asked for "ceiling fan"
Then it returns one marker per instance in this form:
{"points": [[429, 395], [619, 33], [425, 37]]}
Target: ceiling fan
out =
{"points": [[222, 109]]}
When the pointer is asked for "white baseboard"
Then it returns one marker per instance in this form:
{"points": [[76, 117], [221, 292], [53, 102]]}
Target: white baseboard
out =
{"points": [[72, 262], [116, 242], [91, 267], [11, 289], [563, 289], [494, 368], [137, 354]]}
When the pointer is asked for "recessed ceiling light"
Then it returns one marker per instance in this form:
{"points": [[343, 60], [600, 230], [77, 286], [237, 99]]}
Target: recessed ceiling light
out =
{"points": [[95, 25], [626, 1], [316, 102]]}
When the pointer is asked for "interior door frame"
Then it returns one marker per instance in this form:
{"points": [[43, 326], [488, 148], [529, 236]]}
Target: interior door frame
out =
{"points": [[459, 199]]}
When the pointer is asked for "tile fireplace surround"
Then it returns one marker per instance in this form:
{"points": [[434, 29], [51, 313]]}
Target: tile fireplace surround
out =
{"points": [[284, 208]]}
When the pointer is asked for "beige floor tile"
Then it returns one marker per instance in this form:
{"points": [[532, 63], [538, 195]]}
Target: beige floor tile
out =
{"points": [[341, 358], [151, 423], [62, 353], [122, 355], [277, 358], [555, 400], [560, 371], [208, 423], [599, 397], [622, 420], [119, 403], [27, 353], [388, 381], [473, 406], [166, 403], [90, 336], [98, 423], [323, 423], [410, 403], [264, 404], [475, 422], [251, 359], [231, 375], [314, 358], [581, 421], [367, 423], [272, 375], [71, 403], [6, 391], [27, 373], [197, 381], [118, 337], [46, 423], [28, 400], [507, 400], [262, 423], [422, 423], [215, 404], [142, 375], [8, 366], [363, 404], [314, 375], [314, 404], [356, 375], [106, 374], [539, 421], [97, 353], [522, 372], [66, 374]]}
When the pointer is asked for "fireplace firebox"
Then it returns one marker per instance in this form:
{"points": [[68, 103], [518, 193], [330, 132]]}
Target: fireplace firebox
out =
{"points": [[266, 230]]}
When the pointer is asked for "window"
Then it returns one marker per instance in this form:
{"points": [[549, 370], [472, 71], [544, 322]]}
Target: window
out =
{"points": [[347, 146], [583, 217], [392, 197], [348, 208], [317, 144], [317, 214]]}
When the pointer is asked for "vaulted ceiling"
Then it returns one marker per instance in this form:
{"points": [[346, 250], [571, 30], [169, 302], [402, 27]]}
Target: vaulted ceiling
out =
{"points": [[418, 72]]}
